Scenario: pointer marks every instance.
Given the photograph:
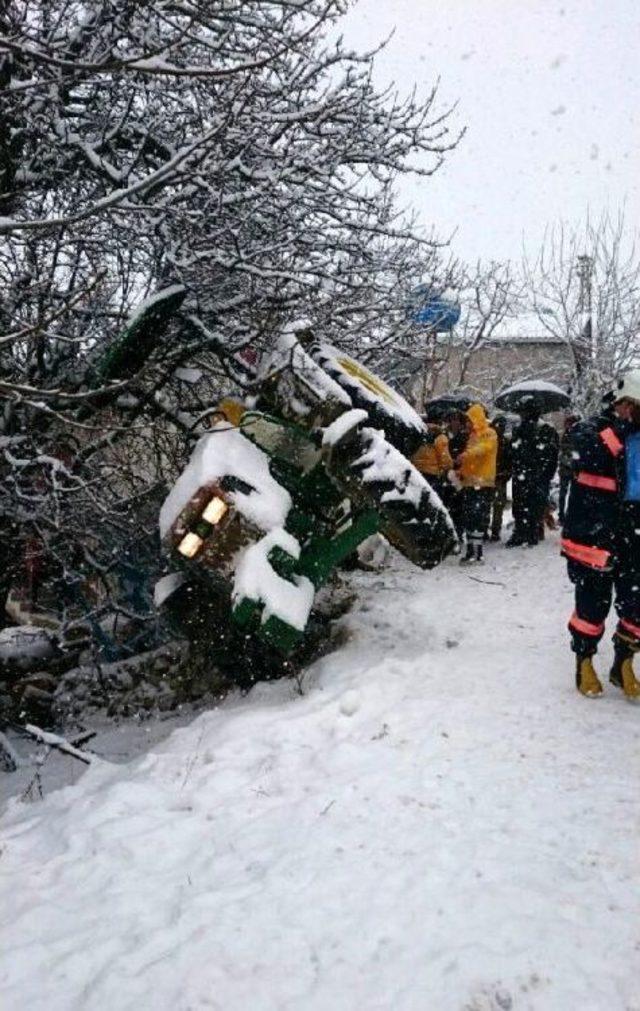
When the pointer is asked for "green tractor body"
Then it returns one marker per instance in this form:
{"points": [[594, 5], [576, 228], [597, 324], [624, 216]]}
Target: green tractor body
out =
{"points": [[271, 508]]}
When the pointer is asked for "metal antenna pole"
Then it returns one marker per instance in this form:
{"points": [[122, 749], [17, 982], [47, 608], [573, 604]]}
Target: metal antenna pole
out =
{"points": [[585, 275]]}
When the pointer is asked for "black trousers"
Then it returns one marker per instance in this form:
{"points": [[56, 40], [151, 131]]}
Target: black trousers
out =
{"points": [[594, 592], [499, 502], [453, 499], [441, 486], [530, 499], [476, 512]]}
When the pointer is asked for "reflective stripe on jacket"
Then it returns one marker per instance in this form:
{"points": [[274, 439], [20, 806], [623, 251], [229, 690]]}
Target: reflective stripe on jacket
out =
{"points": [[595, 524]]}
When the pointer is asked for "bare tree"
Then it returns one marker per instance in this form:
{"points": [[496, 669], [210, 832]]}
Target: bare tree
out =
{"points": [[224, 146], [584, 286], [489, 296], [434, 358]]}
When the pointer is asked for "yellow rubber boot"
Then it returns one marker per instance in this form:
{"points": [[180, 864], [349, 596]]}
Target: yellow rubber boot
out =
{"points": [[587, 681], [623, 677]]}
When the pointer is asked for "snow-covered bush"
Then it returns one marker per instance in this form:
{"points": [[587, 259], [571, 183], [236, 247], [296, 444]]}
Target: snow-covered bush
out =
{"points": [[226, 145]]}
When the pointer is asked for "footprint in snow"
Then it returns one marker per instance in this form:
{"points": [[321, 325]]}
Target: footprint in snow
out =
{"points": [[491, 1000], [350, 703]]}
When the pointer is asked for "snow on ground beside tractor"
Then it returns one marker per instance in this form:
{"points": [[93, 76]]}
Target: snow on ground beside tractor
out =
{"points": [[117, 740], [440, 824]]}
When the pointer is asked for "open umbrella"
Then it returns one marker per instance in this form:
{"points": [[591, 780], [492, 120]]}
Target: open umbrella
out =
{"points": [[534, 394], [447, 404]]}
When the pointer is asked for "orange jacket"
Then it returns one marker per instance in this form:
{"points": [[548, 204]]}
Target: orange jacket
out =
{"points": [[433, 458], [231, 410], [477, 464]]}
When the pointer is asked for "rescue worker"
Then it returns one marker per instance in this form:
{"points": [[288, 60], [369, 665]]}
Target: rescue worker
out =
{"points": [[503, 475], [564, 463], [476, 469], [534, 460], [457, 429], [601, 536], [433, 459]]}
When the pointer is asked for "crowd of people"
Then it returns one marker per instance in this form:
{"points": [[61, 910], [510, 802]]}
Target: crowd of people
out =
{"points": [[470, 461]]}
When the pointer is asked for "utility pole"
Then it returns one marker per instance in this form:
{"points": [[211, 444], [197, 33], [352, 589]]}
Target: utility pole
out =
{"points": [[585, 275]]}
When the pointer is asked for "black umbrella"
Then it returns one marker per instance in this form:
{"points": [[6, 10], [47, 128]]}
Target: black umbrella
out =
{"points": [[446, 405], [534, 394]]}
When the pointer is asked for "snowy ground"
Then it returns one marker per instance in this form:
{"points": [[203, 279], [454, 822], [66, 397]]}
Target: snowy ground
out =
{"points": [[440, 824], [116, 741]]}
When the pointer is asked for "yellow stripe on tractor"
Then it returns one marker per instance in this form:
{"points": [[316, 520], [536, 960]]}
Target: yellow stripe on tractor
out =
{"points": [[369, 381]]}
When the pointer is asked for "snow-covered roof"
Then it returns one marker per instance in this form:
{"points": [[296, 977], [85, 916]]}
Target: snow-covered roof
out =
{"points": [[525, 328]]}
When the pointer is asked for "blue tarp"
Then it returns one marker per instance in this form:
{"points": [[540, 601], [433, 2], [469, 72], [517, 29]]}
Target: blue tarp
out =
{"points": [[632, 459], [438, 314]]}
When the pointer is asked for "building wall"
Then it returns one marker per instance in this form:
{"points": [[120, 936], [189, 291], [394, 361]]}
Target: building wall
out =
{"points": [[495, 366]]}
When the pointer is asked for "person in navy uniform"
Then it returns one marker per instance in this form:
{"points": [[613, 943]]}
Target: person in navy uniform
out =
{"points": [[534, 459], [601, 536], [564, 463]]}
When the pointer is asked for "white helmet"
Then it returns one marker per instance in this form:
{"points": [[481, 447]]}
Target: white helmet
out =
{"points": [[627, 387]]}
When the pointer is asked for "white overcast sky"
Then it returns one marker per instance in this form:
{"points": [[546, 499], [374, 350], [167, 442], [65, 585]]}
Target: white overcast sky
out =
{"points": [[549, 91]]}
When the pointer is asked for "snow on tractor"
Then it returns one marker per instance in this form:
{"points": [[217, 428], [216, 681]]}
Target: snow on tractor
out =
{"points": [[275, 498]]}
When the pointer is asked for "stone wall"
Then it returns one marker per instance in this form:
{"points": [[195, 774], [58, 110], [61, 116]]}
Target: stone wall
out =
{"points": [[496, 365]]}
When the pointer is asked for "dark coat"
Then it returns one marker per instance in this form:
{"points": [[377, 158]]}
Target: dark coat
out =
{"points": [[534, 451], [601, 529], [504, 463], [566, 445]]}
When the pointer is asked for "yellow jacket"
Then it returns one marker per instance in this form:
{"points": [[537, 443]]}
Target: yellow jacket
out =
{"points": [[231, 410], [433, 458], [477, 464]]}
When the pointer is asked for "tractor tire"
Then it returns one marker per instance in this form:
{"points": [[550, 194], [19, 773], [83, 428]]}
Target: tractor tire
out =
{"points": [[387, 409], [374, 475]]}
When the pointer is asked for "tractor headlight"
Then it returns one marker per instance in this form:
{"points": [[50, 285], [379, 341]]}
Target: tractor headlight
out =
{"points": [[215, 510], [190, 545]]}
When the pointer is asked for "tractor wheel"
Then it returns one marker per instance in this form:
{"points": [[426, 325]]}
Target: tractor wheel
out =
{"points": [[387, 409], [374, 474]]}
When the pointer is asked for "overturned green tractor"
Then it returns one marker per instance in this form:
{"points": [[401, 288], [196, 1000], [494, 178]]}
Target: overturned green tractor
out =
{"points": [[268, 508]]}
